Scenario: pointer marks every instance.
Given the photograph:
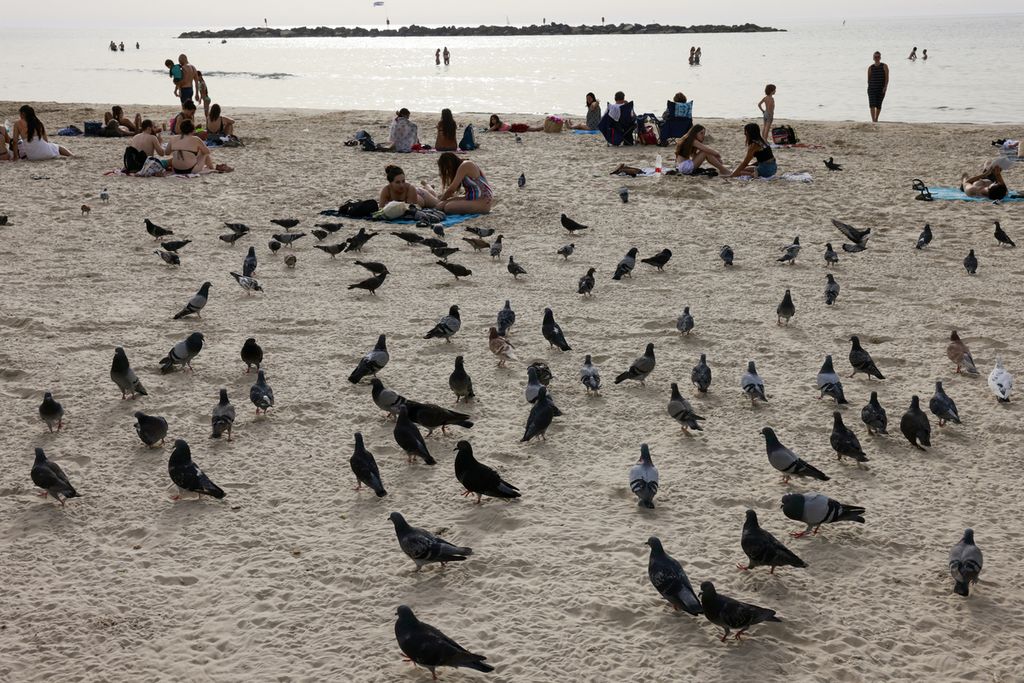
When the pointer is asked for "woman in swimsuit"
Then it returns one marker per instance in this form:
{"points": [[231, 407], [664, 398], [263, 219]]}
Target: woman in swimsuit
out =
{"points": [[123, 125], [397, 189], [593, 115], [878, 84], [989, 183], [691, 152], [30, 139], [190, 155], [759, 161], [456, 173], [496, 125], [446, 131], [217, 124]]}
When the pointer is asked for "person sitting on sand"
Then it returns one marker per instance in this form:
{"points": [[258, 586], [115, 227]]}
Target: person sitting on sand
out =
{"points": [[989, 183], [593, 115], [759, 160], [691, 152], [187, 113], [148, 140], [446, 131], [5, 145], [496, 125], [404, 134], [217, 124], [121, 125], [456, 173], [189, 154], [397, 189], [29, 138]]}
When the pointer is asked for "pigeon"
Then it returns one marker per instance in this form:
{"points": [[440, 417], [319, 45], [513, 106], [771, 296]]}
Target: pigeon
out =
{"points": [[700, 376], [175, 245], [815, 509], [786, 309], [1001, 237], [433, 243], [443, 252], [684, 323], [641, 367], [477, 243], [409, 237], [3, 219], [155, 230], [680, 410], [196, 303], [408, 437], [357, 241], [1000, 381], [371, 284], [571, 225], [915, 426], [252, 355], [764, 550], [187, 476], [831, 289], [958, 352], [565, 251], [460, 382], [249, 284], [373, 266], [786, 461], [828, 382], [506, 316], [289, 237], [182, 353], [273, 245], [832, 165], [831, 257], [925, 238], [446, 327], [669, 579], [500, 347], [858, 237], [86, 209], [384, 398], [522, 180], [455, 269], [942, 406], [544, 375], [844, 441], [586, 283], [752, 384], [47, 475], [223, 417], [124, 377], [729, 614], [791, 252], [854, 248], [965, 560], [541, 415], [861, 361], [237, 228], [169, 258], [104, 195], [320, 235], [373, 362], [590, 376], [626, 265], [873, 415], [432, 416], [481, 232], [286, 223], [478, 478], [553, 332], [365, 468], [726, 254], [643, 479], [496, 247], [533, 385], [423, 547], [430, 648], [261, 394], [330, 227], [971, 263], [515, 269], [659, 260], [152, 429]]}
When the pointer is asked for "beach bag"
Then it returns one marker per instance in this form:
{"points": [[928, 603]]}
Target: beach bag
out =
{"points": [[151, 167], [134, 159], [553, 124], [784, 135], [647, 131], [362, 209], [93, 128], [468, 142]]}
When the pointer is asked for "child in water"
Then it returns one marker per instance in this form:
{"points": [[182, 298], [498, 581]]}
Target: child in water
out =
{"points": [[767, 107]]}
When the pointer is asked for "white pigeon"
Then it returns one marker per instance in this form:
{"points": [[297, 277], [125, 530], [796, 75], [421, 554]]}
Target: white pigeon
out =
{"points": [[1000, 381]]}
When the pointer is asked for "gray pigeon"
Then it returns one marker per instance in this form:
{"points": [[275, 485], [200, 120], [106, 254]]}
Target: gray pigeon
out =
{"points": [[506, 318], [965, 560], [182, 353], [815, 509], [566, 251], [971, 263], [590, 375], [430, 648], [786, 308], [533, 385], [685, 321], [831, 289], [680, 410], [626, 265], [407, 436], [249, 284], [373, 362], [249, 263], [223, 418], [857, 236], [187, 476], [423, 547], [541, 415], [669, 579], [831, 257], [48, 476], [873, 415], [727, 255], [829, 384], [915, 426], [844, 441], [168, 257], [752, 384], [700, 376], [764, 550], [446, 327], [942, 406], [861, 361], [261, 395], [586, 283], [51, 412], [643, 479], [786, 461], [791, 252], [460, 382], [384, 398], [196, 303], [641, 367], [514, 268], [152, 429], [124, 377], [730, 614], [365, 468], [496, 245], [553, 332]]}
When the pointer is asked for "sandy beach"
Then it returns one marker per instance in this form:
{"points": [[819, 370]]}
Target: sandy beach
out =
{"points": [[295, 577]]}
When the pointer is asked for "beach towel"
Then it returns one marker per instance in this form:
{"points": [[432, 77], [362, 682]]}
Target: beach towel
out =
{"points": [[121, 172], [798, 145], [585, 132], [452, 219], [793, 177], [955, 194]]}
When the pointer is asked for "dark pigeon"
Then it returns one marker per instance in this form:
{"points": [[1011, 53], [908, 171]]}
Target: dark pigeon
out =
{"points": [[152, 429], [641, 367], [175, 245], [831, 289], [942, 406], [858, 237], [371, 284], [860, 360], [432, 416], [831, 257], [260, 393], [460, 382], [659, 260], [506, 318], [408, 237], [831, 165], [786, 308], [515, 269], [541, 415], [873, 415], [455, 269], [155, 230], [51, 412], [727, 255], [48, 476], [187, 476], [1001, 237], [844, 441], [586, 283], [570, 225], [915, 425], [685, 321], [925, 238], [764, 550], [252, 354], [430, 648], [365, 468], [971, 263], [286, 223], [478, 478], [669, 579], [408, 437], [730, 614], [357, 241], [495, 247], [373, 266], [249, 263], [124, 377], [222, 420], [700, 376], [553, 332], [965, 561], [423, 547]]}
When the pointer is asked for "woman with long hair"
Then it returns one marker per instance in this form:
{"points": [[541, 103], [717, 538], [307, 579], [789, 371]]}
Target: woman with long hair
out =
{"points": [[397, 189], [189, 154], [30, 141], [593, 115], [218, 124], [759, 160], [459, 173], [691, 152], [446, 131]]}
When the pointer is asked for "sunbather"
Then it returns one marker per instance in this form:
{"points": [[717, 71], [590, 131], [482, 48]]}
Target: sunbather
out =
{"points": [[691, 153], [496, 125], [989, 183], [459, 173]]}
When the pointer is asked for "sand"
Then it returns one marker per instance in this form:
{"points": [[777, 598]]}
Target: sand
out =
{"points": [[295, 577]]}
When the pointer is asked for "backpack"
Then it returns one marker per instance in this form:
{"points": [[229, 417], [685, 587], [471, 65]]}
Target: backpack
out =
{"points": [[362, 209], [151, 167], [784, 135], [647, 130], [133, 159], [468, 142]]}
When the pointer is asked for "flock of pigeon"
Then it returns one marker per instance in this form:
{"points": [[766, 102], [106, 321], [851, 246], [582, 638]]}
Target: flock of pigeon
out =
{"points": [[426, 645]]}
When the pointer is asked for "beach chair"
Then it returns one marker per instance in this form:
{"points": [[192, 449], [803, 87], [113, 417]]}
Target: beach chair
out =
{"points": [[677, 122], [619, 132]]}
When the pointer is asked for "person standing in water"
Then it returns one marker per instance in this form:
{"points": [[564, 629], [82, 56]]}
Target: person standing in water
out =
{"points": [[447, 55], [924, 54], [437, 57], [696, 57], [913, 55], [878, 84], [692, 51]]}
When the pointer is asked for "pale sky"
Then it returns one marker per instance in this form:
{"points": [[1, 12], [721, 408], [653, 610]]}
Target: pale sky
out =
{"points": [[219, 13]]}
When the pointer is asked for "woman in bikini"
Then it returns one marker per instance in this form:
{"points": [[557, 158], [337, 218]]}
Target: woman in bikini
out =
{"points": [[459, 173], [190, 155], [216, 124], [691, 152], [397, 189], [496, 125], [759, 160]]}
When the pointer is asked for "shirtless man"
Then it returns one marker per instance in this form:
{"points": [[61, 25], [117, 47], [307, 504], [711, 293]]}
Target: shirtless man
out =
{"points": [[989, 183], [148, 140], [188, 80]]}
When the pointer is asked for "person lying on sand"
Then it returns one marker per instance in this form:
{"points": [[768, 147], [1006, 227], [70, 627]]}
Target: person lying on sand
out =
{"points": [[217, 124], [691, 152], [190, 155], [456, 173], [496, 125], [397, 189], [121, 125], [989, 183]]}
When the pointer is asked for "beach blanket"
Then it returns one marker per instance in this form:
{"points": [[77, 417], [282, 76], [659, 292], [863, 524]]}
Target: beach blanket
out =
{"points": [[452, 219], [585, 132], [798, 145], [954, 194], [793, 177], [120, 172]]}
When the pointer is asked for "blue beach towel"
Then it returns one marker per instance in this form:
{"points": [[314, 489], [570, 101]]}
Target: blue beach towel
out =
{"points": [[452, 219], [954, 194], [585, 132]]}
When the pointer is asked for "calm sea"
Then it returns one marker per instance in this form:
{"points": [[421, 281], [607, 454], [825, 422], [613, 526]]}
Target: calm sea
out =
{"points": [[974, 73]]}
